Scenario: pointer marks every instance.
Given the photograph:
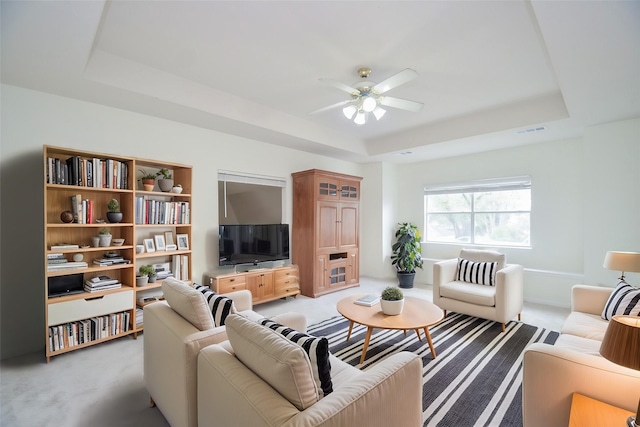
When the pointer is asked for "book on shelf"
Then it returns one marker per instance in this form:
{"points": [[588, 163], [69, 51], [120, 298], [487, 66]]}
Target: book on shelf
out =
{"points": [[101, 281], [67, 265], [102, 288], [105, 262], [368, 300], [62, 246]]}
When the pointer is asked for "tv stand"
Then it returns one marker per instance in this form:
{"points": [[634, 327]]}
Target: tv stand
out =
{"points": [[265, 284]]}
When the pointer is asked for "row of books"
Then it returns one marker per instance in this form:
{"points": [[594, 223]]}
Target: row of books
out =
{"points": [[180, 267], [161, 212], [83, 331], [82, 210], [139, 318], [97, 173]]}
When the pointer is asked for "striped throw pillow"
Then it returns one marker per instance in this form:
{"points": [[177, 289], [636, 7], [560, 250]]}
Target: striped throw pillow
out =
{"points": [[220, 305], [317, 348], [625, 299], [481, 273]]}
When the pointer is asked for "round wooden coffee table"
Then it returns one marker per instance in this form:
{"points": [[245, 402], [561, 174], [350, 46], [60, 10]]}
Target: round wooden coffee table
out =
{"points": [[417, 314]]}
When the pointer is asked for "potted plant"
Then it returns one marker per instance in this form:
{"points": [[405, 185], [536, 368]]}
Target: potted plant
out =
{"points": [[392, 301], [166, 182], [146, 273], [148, 180], [105, 237], [114, 215], [407, 253]]}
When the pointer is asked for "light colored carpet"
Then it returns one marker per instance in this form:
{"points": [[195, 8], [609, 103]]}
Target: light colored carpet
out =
{"points": [[103, 385]]}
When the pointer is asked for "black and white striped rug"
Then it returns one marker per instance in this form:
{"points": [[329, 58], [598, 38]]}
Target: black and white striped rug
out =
{"points": [[476, 377]]}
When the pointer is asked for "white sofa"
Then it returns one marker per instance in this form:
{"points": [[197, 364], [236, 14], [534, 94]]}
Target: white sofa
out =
{"points": [[552, 373], [231, 394], [172, 344], [499, 303]]}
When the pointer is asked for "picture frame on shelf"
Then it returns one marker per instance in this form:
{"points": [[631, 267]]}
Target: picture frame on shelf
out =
{"points": [[168, 237], [149, 246], [160, 244], [183, 241]]}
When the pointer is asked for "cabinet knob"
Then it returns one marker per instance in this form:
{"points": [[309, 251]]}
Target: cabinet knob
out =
{"points": [[232, 280]]}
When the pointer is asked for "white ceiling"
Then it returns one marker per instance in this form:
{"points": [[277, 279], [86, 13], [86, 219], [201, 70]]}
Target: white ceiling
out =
{"points": [[487, 69]]}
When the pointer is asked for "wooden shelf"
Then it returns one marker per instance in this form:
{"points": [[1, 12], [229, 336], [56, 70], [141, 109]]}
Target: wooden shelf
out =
{"points": [[57, 199]]}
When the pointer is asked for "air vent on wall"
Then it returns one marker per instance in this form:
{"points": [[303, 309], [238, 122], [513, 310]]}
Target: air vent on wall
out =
{"points": [[531, 130]]}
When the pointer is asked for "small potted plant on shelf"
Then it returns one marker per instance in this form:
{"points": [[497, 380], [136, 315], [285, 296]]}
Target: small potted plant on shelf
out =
{"points": [[407, 253], [105, 237], [146, 274], [392, 301], [148, 180], [114, 215], [177, 189], [166, 182]]}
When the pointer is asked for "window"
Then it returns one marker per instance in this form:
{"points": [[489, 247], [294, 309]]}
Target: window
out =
{"points": [[489, 212]]}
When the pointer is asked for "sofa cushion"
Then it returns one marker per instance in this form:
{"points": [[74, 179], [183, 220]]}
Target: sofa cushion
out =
{"points": [[282, 364], [317, 348], [220, 305], [579, 344], [188, 303], [585, 325], [483, 255], [481, 273], [625, 299], [469, 292]]}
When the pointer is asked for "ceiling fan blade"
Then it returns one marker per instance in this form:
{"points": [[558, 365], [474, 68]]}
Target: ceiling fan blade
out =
{"points": [[396, 80], [402, 104], [341, 86], [330, 107]]}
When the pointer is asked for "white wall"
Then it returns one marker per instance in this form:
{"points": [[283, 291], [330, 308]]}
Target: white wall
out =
{"points": [[585, 201], [32, 119]]}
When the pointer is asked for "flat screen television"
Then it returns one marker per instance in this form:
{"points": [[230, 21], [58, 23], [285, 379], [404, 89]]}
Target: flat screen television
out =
{"points": [[253, 243]]}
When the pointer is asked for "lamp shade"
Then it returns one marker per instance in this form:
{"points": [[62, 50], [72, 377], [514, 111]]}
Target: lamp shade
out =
{"points": [[621, 343], [622, 261]]}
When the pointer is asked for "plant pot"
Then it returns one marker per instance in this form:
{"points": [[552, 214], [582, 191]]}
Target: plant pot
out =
{"points": [[95, 241], [165, 184], [392, 308], [105, 240], [152, 278], [114, 217], [405, 280], [142, 280]]}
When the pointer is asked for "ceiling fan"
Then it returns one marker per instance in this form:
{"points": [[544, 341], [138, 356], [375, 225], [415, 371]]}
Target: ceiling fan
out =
{"points": [[368, 97]]}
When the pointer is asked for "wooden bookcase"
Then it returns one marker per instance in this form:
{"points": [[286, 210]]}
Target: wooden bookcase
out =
{"points": [[326, 230], [82, 319]]}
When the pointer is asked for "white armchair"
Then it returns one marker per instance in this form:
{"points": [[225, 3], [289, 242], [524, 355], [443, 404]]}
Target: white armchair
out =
{"points": [[501, 302], [174, 333]]}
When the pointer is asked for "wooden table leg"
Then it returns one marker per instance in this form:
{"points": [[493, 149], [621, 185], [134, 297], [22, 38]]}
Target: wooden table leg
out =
{"points": [[350, 328], [418, 333], [433, 351], [366, 344]]}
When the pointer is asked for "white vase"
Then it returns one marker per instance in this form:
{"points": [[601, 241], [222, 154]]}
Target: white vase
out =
{"points": [[105, 240], [392, 308]]}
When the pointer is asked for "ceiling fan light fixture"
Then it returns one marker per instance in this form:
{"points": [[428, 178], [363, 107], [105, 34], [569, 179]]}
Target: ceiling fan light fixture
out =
{"points": [[349, 111], [369, 104], [360, 118], [379, 112]]}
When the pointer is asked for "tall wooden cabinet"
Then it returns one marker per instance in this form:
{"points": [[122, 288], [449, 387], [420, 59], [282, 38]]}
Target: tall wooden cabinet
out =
{"points": [[325, 235], [78, 315]]}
